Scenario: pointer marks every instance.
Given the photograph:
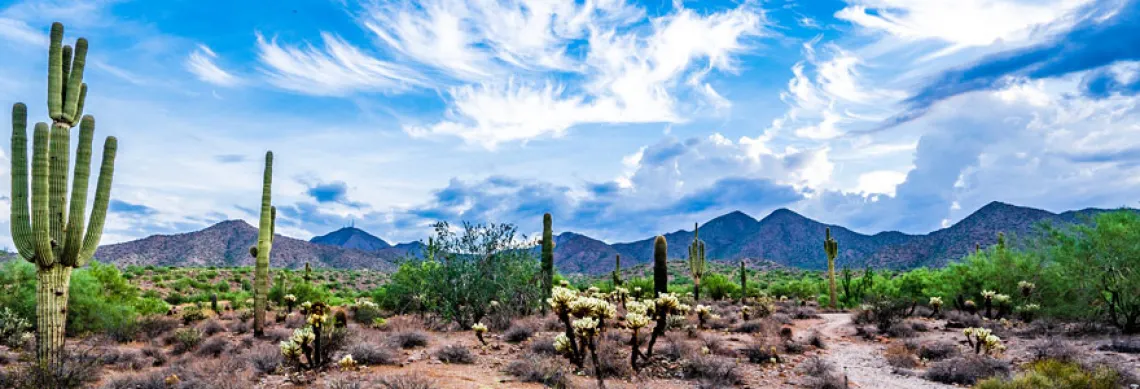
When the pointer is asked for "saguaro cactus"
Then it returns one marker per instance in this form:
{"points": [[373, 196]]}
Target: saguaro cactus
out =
{"points": [[660, 266], [547, 258], [617, 271], [51, 233], [832, 248], [696, 262], [743, 282], [308, 274], [264, 245]]}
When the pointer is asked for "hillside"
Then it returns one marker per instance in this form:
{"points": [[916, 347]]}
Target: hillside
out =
{"points": [[227, 244], [784, 238], [352, 238]]}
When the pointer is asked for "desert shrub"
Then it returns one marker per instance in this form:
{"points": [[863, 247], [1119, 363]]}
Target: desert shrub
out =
{"points": [[820, 374], [918, 326], [937, 351], [151, 380], [126, 359], [266, 359], [957, 319], [1051, 374], [157, 356], [901, 330], [900, 356], [366, 313], [1122, 345], [213, 347], [211, 327], [518, 333], [408, 339], [752, 327], [815, 339], [717, 286], [185, 339], [967, 370], [613, 363], [372, 354], [540, 369], [675, 348], [156, 326], [407, 381], [886, 312], [781, 318], [543, 347], [461, 274], [760, 352], [240, 327], [1053, 348], [77, 369], [715, 344], [712, 371], [793, 347], [14, 330], [805, 313], [455, 353], [277, 335], [402, 323], [192, 314]]}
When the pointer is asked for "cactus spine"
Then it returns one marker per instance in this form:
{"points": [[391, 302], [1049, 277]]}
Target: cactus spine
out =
{"points": [[264, 245], [697, 262], [51, 233], [832, 249], [547, 258], [660, 266], [617, 271]]}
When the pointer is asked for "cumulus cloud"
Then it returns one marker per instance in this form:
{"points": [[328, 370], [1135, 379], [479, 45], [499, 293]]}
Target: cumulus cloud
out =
{"points": [[521, 70]]}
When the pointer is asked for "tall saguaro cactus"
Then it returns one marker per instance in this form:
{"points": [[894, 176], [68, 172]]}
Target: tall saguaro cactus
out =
{"points": [[547, 258], [696, 262], [660, 266], [617, 271], [264, 246], [51, 233], [832, 249], [743, 282]]}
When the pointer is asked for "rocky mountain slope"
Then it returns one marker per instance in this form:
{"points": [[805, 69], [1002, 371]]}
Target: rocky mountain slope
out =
{"points": [[784, 238]]}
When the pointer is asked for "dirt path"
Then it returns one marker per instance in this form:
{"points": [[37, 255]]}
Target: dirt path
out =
{"points": [[862, 362]]}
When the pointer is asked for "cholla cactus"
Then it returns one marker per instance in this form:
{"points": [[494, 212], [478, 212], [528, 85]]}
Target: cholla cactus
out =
{"points": [[305, 306], [703, 314], [970, 306], [347, 363], [479, 329], [587, 328], [1026, 288], [936, 305], [744, 311], [988, 301], [1027, 312], [1003, 304], [982, 339], [290, 301]]}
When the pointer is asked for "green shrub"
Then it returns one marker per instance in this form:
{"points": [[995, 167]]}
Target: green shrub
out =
{"points": [[14, 330], [717, 286], [1053, 374]]}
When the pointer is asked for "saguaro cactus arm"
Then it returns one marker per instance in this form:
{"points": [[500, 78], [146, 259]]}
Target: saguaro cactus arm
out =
{"points": [[660, 266], [41, 220], [102, 200], [20, 221]]}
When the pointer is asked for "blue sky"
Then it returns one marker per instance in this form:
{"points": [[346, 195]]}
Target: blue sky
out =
{"points": [[624, 119]]}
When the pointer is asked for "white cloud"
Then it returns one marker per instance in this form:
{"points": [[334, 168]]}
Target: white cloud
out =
{"points": [[337, 69], [963, 23], [880, 182], [19, 31], [201, 63]]}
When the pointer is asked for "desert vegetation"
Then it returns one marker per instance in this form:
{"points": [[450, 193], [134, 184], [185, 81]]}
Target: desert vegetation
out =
{"points": [[482, 307]]}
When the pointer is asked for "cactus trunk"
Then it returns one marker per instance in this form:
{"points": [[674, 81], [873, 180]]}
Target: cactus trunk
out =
{"points": [[697, 262], [831, 247], [51, 313], [617, 271], [660, 266], [264, 245], [547, 258], [743, 282]]}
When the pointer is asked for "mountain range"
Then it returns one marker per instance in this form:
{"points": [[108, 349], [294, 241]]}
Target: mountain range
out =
{"points": [[783, 237]]}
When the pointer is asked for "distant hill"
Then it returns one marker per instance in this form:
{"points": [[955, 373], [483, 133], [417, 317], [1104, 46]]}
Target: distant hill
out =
{"points": [[227, 244], [783, 238], [352, 238], [789, 239]]}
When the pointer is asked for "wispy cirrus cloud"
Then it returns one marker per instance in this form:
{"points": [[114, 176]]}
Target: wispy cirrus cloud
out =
{"points": [[201, 63]]}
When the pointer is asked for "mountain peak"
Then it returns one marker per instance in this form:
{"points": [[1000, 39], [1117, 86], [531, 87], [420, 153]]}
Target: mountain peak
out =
{"points": [[353, 238]]}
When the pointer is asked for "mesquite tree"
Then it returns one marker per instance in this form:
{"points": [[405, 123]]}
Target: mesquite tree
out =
{"points": [[696, 262], [261, 251], [51, 232], [831, 247]]}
